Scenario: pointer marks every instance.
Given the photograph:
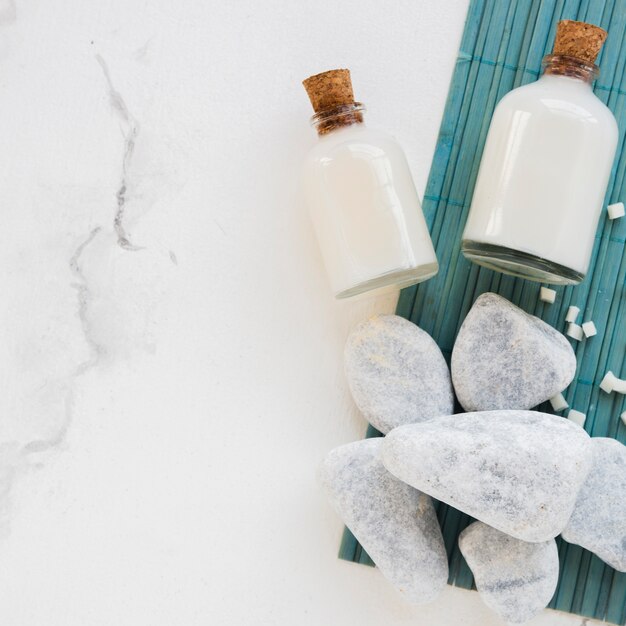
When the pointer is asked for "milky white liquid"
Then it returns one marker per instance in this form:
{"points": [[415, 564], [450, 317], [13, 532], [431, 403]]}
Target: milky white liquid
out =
{"points": [[366, 212], [544, 172]]}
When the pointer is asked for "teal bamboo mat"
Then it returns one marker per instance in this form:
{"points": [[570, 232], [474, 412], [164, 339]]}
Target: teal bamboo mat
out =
{"points": [[502, 47]]}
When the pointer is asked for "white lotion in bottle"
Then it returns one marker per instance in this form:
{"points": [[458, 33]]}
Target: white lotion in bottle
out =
{"points": [[545, 168], [362, 200]]}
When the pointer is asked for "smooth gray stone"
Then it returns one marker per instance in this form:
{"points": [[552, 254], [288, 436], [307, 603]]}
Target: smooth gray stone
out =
{"points": [[514, 578], [395, 523], [518, 471], [396, 372], [504, 358], [598, 522]]}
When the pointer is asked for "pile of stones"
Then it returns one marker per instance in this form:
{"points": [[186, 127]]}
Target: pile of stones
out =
{"points": [[525, 476]]}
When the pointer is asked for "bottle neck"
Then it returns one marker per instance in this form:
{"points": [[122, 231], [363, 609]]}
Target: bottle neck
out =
{"points": [[560, 65], [338, 117]]}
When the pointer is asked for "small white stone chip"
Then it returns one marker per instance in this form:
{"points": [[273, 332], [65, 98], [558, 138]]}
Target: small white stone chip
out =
{"points": [[558, 402], [623, 417], [611, 383], [616, 210], [572, 314], [608, 382], [589, 328], [577, 417], [547, 295], [574, 331]]}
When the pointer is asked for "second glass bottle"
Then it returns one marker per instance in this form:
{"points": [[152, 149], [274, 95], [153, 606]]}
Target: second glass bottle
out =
{"points": [[545, 168]]}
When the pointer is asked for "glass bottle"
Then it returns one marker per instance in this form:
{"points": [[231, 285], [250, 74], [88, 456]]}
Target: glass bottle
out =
{"points": [[545, 168], [362, 200]]}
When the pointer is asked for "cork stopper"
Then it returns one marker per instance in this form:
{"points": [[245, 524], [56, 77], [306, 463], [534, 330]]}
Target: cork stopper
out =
{"points": [[329, 89], [579, 39]]}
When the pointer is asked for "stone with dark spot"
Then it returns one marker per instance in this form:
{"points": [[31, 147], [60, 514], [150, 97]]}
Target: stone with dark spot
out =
{"points": [[514, 578]]}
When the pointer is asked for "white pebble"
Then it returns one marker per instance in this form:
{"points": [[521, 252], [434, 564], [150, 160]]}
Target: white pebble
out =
{"points": [[396, 373], [572, 314], [514, 578], [610, 383], [577, 417], [616, 210], [504, 358], [518, 471], [558, 402], [574, 331], [547, 295], [396, 524], [598, 522], [623, 416], [589, 328]]}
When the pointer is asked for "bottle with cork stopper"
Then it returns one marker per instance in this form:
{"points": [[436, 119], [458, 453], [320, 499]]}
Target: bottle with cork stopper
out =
{"points": [[362, 200], [545, 168]]}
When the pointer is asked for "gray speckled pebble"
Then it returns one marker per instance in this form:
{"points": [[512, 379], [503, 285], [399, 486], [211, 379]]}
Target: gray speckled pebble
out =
{"points": [[504, 358], [395, 523], [514, 578], [396, 373], [598, 522], [518, 471]]}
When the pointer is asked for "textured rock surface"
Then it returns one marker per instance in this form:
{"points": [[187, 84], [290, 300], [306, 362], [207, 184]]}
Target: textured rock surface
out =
{"points": [[395, 523], [518, 471], [504, 358], [396, 373], [598, 522], [514, 578]]}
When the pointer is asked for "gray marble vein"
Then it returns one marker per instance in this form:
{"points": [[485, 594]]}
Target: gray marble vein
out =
{"points": [[96, 350], [84, 297], [130, 130]]}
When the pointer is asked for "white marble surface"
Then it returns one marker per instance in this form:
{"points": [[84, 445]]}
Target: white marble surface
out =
{"points": [[171, 359]]}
